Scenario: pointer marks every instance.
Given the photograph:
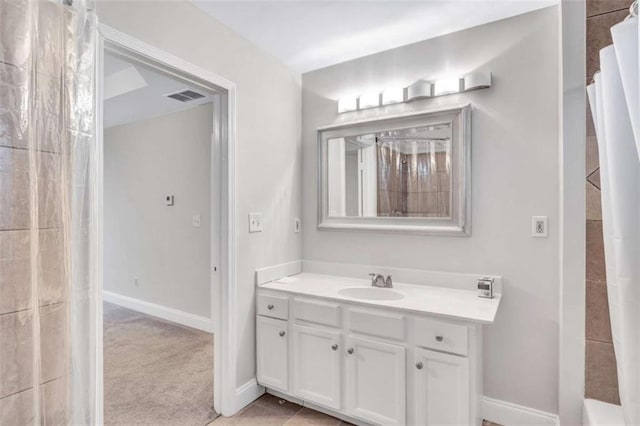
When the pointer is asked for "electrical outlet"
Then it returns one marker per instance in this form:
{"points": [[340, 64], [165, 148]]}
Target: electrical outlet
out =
{"points": [[255, 222], [168, 200], [296, 225], [539, 227], [195, 221]]}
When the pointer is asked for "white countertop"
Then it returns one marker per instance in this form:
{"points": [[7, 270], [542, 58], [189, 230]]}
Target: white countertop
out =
{"points": [[462, 305]]}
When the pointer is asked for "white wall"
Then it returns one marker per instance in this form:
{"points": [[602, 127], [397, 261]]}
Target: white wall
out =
{"points": [[268, 148], [515, 150], [143, 162]]}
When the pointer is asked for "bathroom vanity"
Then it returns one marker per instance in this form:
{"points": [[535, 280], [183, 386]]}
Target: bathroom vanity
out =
{"points": [[411, 354]]}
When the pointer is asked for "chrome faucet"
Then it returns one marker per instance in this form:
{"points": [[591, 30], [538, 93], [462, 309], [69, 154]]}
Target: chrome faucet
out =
{"points": [[378, 280]]}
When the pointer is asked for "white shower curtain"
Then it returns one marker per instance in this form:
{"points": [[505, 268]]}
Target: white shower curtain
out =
{"points": [[615, 98], [48, 214]]}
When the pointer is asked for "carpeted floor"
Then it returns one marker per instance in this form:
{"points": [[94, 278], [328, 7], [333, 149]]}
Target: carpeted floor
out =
{"points": [[155, 372]]}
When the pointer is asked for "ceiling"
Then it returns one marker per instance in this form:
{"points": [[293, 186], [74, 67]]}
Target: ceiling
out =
{"points": [[135, 92], [307, 35]]}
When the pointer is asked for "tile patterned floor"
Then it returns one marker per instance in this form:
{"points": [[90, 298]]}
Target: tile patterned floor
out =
{"points": [[270, 410]]}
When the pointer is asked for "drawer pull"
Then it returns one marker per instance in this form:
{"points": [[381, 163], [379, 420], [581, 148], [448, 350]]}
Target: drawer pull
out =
{"points": [[270, 307], [439, 338], [350, 351], [282, 333], [419, 365], [334, 347]]}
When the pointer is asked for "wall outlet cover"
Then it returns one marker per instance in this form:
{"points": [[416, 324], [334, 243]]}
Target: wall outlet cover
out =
{"points": [[255, 222], [539, 227], [195, 221]]}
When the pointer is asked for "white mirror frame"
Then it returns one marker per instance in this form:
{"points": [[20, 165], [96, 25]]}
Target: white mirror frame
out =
{"points": [[459, 224]]}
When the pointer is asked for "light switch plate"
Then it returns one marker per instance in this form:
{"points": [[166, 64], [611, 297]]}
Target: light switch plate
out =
{"points": [[539, 227], [255, 222]]}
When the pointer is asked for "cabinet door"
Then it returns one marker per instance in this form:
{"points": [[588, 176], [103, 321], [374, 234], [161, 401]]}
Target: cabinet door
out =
{"points": [[442, 388], [376, 381], [317, 371], [272, 351]]}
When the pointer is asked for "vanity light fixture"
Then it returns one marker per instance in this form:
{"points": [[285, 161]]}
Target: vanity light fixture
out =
{"points": [[421, 89], [446, 86], [369, 100], [347, 104], [477, 80], [393, 96]]}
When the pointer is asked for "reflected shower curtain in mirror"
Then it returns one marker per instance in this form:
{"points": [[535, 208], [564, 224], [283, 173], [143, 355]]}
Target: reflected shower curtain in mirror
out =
{"points": [[614, 98], [47, 213]]}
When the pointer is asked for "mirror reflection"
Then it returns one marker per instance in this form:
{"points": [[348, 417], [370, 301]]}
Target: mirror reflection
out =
{"points": [[393, 173]]}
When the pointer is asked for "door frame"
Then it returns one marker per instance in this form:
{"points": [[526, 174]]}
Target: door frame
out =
{"points": [[223, 218]]}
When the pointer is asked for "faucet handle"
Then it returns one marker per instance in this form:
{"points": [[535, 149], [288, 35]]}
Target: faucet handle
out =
{"points": [[388, 282]]}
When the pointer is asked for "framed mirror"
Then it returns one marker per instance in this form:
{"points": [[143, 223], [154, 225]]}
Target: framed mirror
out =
{"points": [[408, 173]]}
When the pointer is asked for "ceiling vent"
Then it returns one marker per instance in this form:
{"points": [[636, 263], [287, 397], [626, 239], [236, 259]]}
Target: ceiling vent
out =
{"points": [[185, 96]]}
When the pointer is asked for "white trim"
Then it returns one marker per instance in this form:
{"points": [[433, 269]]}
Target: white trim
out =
{"points": [[224, 308], [598, 413], [248, 393], [571, 152], [275, 272], [99, 243], [160, 311], [509, 414]]}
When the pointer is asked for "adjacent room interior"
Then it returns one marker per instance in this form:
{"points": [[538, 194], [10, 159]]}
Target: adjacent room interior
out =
{"points": [[158, 346]]}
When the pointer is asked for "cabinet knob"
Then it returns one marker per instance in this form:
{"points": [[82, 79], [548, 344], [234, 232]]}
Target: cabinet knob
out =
{"points": [[282, 333], [334, 347], [439, 338], [350, 351], [419, 365], [269, 307]]}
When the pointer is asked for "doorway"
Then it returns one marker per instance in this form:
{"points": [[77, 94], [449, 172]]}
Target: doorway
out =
{"points": [[158, 343], [221, 272]]}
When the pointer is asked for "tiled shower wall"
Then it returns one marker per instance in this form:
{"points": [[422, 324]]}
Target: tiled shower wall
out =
{"points": [[34, 346], [601, 380]]}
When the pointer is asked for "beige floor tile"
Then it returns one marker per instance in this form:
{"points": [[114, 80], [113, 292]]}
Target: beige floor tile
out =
{"points": [[309, 417]]}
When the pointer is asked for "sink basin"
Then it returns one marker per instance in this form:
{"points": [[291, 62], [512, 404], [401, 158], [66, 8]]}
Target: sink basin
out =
{"points": [[371, 293]]}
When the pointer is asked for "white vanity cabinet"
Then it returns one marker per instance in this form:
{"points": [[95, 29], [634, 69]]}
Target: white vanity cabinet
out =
{"points": [[373, 365], [317, 365], [442, 390], [273, 351], [376, 381]]}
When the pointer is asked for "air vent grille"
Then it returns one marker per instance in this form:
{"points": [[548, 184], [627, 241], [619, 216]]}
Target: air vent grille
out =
{"points": [[185, 96]]}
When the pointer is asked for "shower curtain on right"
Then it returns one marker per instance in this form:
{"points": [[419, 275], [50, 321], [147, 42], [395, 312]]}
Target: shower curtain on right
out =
{"points": [[614, 98]]}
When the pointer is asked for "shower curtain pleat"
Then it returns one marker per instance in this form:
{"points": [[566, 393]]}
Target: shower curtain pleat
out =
{"points": [[615, 115], [625, 40]]}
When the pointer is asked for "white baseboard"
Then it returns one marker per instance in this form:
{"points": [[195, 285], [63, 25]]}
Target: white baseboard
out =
{"points": [[248, 393], [170, 314], [509, 414]]}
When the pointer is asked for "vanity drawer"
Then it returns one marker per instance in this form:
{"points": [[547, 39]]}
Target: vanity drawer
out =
{"points": [[376, 323], [442, 336], [316, 311], [273, 306]]}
